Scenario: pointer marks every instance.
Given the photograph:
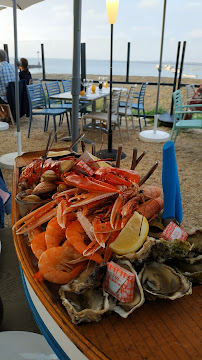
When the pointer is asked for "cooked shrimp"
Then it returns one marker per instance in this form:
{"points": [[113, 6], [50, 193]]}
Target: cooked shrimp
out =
{"points": [[38, 244], [55, 235], [32, 233], [54, 264], [76, 235]]}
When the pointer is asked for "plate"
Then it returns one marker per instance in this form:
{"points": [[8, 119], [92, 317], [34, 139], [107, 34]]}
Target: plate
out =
{"points": [[21, 345]]}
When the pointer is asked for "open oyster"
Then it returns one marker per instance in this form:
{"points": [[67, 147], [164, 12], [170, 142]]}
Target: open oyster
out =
{"points": [[91, 277], [160, 280], [164, 250], [195, 238], [191, 267], [142, 254], [125, 309], [86, 307]]}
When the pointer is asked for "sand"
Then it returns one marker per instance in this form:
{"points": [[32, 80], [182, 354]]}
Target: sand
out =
{"points": [[187, 147]]}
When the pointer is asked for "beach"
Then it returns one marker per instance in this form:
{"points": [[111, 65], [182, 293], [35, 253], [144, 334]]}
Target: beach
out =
{"points": [[187, 146]]}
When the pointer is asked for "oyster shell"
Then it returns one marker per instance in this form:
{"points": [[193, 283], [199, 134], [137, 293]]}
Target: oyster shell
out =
{"points": [[160, 280], [195, 238], [140, 255], [91, 277], [163, 249], [125, 309], [191, 267], [87, 307]]}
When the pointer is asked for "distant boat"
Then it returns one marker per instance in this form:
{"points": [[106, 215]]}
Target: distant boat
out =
{"points": [[189, 76], [169, 67], [173, 70]]}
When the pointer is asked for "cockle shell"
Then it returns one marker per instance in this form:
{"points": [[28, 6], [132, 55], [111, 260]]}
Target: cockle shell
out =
{"points": [[44, 187]]}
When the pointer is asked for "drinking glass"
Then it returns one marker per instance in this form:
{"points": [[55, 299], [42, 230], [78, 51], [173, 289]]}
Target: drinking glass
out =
{"points": [[105, 83], [100, 79]]}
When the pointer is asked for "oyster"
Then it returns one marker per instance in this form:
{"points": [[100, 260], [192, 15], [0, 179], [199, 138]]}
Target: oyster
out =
{"points": [[125, 309], [142, 254], [160, 280], [91, 277], [195, 238], [169, 249], [87, 307], [191, 267]]}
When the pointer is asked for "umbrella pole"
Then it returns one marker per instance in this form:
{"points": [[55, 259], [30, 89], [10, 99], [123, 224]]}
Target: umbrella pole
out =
{"points": [[76, 70], [17, 105], [161, 53]]}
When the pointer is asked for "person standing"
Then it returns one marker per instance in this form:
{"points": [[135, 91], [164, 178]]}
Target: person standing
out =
{"points": [[7, 74], [24, 71]]}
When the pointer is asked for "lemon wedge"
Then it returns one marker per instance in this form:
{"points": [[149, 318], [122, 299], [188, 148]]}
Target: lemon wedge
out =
{"points": [[131, 238]]}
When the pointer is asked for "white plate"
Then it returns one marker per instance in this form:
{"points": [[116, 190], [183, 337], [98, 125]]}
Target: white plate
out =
{"points": [[20, 345]]}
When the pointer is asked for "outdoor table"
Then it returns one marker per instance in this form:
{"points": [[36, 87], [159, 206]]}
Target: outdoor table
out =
{"points": [[89, 97]]}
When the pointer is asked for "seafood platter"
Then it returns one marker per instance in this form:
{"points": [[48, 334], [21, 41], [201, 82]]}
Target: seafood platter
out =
{"points": [[95, 254]]}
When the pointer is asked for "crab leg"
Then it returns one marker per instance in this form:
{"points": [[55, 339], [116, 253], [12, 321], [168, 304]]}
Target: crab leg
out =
{"points": [[39, 212]]}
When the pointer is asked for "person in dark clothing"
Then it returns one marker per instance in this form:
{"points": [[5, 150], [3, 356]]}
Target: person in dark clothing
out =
{"points": [[24, 71]]}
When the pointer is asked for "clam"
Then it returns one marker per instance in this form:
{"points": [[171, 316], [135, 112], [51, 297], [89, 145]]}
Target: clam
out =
{"points": [[125, 309], [44, 187], [160, 280]]}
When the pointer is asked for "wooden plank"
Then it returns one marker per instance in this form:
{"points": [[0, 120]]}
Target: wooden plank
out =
{"points": [[164, 329]]}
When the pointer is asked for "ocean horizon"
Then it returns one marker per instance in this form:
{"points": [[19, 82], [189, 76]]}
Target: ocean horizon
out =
{"points": [[102, 68]]}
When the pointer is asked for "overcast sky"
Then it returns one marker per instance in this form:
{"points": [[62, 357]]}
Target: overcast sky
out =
{"points": [[138, 22]]}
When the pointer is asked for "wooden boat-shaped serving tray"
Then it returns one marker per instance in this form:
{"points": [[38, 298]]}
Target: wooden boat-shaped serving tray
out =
{"points": [[158, 330]]}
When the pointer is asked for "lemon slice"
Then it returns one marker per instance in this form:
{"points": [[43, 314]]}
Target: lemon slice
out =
{"points": [[131, 238]]}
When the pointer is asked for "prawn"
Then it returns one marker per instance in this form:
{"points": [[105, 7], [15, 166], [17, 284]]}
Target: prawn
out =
{"points": [[55, 235], [75, 234], [38, 244], [55, 264]]}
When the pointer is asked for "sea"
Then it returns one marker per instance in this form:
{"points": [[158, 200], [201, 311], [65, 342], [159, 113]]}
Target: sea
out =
{"points": [[102, 68]]}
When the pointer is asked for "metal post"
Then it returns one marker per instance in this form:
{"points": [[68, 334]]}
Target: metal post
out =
{"points": [[176, 71], [161, 53], [17, 105], [76, 70], [43, 62], [83, 61], [181, 65], [128, 62], [110, 97], [6, 50]]}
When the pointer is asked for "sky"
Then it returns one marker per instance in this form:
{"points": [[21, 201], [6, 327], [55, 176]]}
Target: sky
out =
{"points": [[138, 22]]}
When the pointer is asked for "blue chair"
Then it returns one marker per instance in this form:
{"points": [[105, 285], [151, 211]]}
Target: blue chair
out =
{"points": [[53, 88], [37, 100], [139, 106], [178, 121], [67, 85]]}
